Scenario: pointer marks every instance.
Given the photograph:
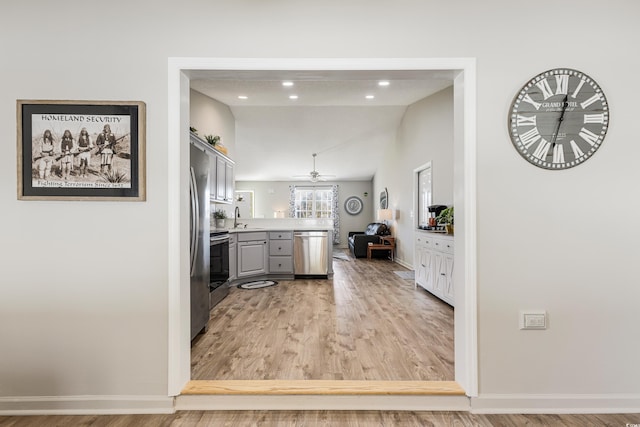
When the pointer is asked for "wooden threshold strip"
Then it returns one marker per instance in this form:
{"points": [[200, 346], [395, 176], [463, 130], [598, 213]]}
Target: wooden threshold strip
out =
{"points": [[322, 387]]}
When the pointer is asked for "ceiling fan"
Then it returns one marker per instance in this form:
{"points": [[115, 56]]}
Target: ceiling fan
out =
{"points": [[314, 175]]}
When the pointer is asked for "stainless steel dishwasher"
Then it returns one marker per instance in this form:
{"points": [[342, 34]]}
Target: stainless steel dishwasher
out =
{"points": [[311, 253]]}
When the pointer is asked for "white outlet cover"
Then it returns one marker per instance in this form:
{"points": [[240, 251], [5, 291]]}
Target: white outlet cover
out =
{"points": [[533, 319]]}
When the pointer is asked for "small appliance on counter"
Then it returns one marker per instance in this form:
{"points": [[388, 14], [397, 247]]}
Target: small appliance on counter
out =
{"points": [[432, 222]]}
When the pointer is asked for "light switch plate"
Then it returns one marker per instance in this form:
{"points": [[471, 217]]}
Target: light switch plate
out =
{"points": [[533, 319]]}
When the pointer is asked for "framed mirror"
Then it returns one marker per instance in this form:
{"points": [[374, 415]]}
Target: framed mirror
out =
{"points": [[424, 194]]}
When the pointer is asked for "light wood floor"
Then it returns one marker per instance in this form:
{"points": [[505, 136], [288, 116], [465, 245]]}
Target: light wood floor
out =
{"points": [[364, 324], [323, 418]]}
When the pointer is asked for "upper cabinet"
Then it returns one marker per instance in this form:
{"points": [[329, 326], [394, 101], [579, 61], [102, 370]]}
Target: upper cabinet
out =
{"points": [[221, 182], [222, 191]]}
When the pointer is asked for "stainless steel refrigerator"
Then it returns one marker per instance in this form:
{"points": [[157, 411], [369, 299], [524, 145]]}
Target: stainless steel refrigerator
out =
{"points": [[199, 239]]}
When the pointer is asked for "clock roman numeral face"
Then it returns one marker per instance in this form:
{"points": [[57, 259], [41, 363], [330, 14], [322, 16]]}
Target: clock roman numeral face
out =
{"points": [[559, 119]]}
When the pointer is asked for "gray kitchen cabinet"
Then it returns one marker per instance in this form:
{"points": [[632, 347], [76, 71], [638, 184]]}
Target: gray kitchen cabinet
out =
{"points": [[252, 254], [229, 182], [281, 252], [224, 185], [221, 178], [221, 185], [233, 257]]}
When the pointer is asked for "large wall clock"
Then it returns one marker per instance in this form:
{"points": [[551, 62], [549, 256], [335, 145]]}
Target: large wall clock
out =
{"points": [[559, 119]]}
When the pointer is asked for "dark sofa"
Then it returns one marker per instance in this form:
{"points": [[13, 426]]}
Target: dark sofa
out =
{"points": [[358, 241]]}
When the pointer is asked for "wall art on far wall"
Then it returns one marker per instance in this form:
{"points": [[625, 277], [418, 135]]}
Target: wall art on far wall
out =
{"points": [[81, 150], [384, 199], [353, 205]]}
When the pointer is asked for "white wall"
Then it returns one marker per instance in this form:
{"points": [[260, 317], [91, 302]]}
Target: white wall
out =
{"points": [[71, 326], [425, 134], [273, 196], [211, 117]]}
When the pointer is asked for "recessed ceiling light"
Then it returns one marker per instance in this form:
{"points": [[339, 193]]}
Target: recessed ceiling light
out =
{"points": [[287, 84], [383, 83], [293, 96], [243, 97], [370, 97]]}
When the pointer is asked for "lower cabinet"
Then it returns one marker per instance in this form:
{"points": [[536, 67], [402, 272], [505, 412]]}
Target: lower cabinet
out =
{"points": [[263, 254], [423, 262], [434, 265], [281, 252], [252, 254], [233, 257]]}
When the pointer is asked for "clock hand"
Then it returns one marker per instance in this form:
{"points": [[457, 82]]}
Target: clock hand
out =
{"points": [[564, 107]]}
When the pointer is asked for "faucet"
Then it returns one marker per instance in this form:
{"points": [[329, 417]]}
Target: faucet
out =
{"points": [[236, 215]]}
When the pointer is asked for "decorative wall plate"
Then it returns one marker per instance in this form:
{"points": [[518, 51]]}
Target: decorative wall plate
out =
{"points": [[384, 199], [353, 205]]}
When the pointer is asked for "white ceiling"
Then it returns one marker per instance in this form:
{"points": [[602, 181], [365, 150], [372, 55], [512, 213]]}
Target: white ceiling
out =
{"points": [[276, 136]]}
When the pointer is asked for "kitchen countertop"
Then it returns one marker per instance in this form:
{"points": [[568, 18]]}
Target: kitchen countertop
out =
{"points": [[435, 232], [277, 224], [279, 228]]}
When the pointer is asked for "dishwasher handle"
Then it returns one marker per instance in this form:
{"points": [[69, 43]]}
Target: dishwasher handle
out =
{"points": [[310, 234]]}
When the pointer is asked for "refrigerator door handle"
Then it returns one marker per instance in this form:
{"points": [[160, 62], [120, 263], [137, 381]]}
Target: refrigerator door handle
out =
{"points": [[195, 220]]}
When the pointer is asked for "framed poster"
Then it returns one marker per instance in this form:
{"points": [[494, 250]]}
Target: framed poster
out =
{"points": [[81, 150]]}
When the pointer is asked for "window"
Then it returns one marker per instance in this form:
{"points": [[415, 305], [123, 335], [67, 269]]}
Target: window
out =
{"points": [[313, 202]]}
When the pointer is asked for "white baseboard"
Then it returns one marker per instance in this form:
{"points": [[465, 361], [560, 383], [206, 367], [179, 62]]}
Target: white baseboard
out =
{"points": [[321, 402], [84, 405], [403, 263], [483, 404], [555, 404]]}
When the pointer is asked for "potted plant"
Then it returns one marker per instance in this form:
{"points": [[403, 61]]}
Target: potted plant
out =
{"points": [[446, 218], [211, 139], [219, 215]]}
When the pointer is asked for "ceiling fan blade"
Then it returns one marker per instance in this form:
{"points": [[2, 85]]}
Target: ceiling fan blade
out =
{"points": [[314, 175]]}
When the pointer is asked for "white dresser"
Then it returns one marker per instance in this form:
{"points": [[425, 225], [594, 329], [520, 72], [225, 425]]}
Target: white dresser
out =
{"points": [[434, 264]]}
